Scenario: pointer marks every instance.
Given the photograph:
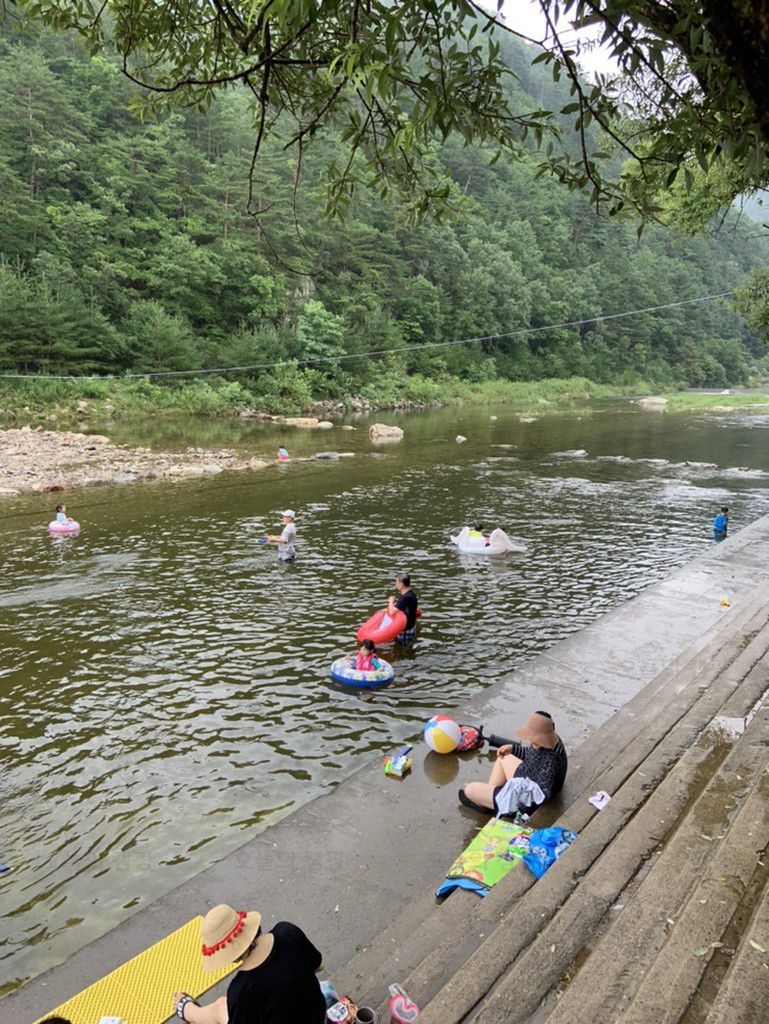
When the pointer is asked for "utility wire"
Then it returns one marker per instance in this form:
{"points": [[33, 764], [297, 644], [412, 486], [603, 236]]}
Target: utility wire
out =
{"points": [[374, 352]]}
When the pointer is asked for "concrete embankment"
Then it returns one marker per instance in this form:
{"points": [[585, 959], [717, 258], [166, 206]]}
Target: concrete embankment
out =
{"points": [[653, 702]]}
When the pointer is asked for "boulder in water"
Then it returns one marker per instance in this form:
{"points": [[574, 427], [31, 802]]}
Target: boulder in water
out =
{"points": [[300, 421], [653, 404], [379, 432]]}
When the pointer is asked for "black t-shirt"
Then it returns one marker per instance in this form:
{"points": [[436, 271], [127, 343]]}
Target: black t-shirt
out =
{"points": [[547, 767], [408, 604], [283, 989]]}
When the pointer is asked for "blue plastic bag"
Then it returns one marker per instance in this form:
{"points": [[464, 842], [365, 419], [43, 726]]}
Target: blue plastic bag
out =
{"points": [[545, 846]]}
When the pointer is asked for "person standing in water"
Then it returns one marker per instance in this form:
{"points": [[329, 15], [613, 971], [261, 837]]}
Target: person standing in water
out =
{"points": [[285, 540], [407, 603], [720, 525]]}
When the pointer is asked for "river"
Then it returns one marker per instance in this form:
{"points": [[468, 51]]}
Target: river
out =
{"points": [[163, 680]]}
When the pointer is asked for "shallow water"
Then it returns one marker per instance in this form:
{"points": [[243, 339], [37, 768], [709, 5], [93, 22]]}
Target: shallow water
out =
{"points": [[163, 681]]}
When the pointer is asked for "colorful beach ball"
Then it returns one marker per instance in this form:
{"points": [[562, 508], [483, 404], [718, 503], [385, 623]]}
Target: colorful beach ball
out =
{"points": [[442, 734]]}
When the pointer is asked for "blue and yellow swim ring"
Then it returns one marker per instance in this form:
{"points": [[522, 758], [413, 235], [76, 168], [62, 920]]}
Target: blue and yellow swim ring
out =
{"points": [[343, 670]]}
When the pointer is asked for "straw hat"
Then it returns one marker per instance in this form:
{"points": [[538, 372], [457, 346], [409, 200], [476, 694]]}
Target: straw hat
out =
{"points": [[539, 729], [226, 935]]}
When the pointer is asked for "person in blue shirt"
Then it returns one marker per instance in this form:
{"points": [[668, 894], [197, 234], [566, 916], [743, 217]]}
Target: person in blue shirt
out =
{"points": [[61, 515], [720, 524]]}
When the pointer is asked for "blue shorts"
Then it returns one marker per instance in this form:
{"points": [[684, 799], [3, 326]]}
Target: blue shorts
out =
{"points": [[406, 637]]}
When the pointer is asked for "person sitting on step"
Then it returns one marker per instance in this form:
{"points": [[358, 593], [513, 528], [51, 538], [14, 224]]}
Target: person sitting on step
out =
{"points": [[275, 982], [522, 778]]}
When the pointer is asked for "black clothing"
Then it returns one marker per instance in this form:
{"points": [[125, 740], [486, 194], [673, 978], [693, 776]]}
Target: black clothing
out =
{"points": [[283, 989], [408, 604], [546, 767]]}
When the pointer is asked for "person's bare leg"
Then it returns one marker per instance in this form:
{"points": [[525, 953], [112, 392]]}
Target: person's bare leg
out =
{"points": [[482, 793]]}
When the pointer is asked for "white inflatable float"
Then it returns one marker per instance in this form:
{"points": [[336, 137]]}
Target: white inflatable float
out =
{"points": [[497, 543]]}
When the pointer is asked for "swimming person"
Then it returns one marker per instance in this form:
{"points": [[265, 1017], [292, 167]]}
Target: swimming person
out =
{"points": [[61, 515], [283, 455], [366, 659], [275, 982], [285, 540], [720, 525], [522, 778], [407, 603]]}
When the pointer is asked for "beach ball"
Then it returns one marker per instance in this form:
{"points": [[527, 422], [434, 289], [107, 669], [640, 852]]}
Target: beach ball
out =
{"points": [[442, 734]]}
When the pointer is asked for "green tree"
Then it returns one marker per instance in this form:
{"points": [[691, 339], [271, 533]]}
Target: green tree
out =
{"points": [[159, 340]]}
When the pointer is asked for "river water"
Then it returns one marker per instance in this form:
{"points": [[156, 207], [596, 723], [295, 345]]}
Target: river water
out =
{"points": [[163, 680]]}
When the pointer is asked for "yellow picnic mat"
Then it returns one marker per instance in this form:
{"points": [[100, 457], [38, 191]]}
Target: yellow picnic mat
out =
{"points": [[141, 990]]}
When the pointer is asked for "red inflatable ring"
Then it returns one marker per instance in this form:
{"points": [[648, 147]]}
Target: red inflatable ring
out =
{"points": [[382, 627]]}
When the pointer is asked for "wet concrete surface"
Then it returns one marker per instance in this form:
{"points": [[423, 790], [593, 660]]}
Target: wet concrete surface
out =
{"points": [[344, 865]]}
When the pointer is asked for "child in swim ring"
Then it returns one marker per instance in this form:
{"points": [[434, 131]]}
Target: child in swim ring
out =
{"points": [[476, 533], [283, 455], [61, 515], [366, 660]]}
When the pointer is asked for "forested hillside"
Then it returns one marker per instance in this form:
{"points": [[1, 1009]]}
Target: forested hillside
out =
{"points": [[125, 246]]}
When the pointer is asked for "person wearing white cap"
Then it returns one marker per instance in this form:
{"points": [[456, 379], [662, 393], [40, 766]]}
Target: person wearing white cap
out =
{"points": [[285, 540]]}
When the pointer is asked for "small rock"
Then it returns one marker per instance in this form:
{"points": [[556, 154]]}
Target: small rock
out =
{"points": [[527, 419], [346, 426], [333, 456], [460, 439], [324, 424], [492, 418]]}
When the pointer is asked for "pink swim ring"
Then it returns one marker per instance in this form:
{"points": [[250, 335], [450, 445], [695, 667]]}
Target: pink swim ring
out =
{"points": [[62, 529]]}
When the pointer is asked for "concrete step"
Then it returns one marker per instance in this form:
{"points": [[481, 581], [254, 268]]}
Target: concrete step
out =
{"points": [[743, 994], [696, 882], [611, 849], [418, 937], [683, 956]]}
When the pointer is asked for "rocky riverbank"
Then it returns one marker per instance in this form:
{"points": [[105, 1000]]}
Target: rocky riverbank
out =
{"points": [[51, 460]]}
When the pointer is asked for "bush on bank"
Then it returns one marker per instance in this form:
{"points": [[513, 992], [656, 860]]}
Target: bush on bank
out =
{"points": [[288, 392]]}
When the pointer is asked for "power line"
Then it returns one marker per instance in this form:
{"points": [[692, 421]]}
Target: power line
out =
{"points": [[373, 352]]}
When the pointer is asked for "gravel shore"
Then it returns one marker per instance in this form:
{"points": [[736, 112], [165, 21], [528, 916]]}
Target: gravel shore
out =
{"points": [[51, 460]]}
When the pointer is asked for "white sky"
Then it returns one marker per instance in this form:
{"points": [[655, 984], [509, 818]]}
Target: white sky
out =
{"points": [[525, 16]]}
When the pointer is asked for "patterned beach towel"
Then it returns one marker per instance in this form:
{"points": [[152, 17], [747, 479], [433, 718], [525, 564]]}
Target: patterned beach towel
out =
{"points": [[497, 847]]}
